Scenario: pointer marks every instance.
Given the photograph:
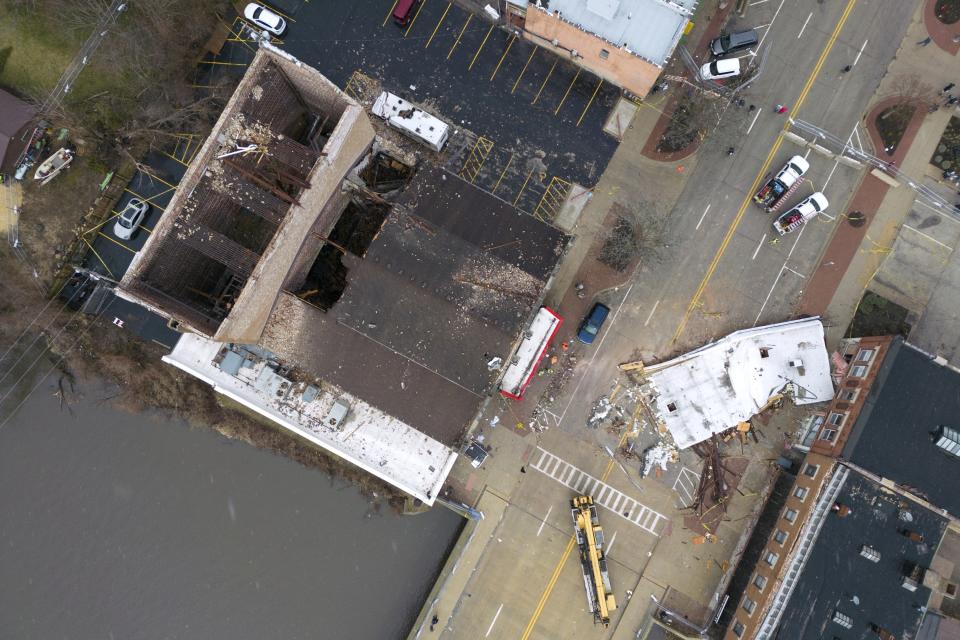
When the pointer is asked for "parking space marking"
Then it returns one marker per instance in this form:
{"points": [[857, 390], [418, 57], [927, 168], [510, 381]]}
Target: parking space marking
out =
{"points": [[544, 521], [610, 544], [151, 198], [930, 238], [589, 102], [804, 27], [754, 121], [612, 499], [546, 80], [760, 244], [859, 53], [503, 173], [523, 187], [236, 34], [275, 10], [652, 311], [227, 64], [513, 39], [553, 198], [90, 246], [477, 158], [480, 48], [685, 485], [567, 93], [116, 242], [494, 621], [172, 157], [460, 35], [415, 16], [523, 71], [703, 216], [157, 178], [437, 28], [390, 12]]}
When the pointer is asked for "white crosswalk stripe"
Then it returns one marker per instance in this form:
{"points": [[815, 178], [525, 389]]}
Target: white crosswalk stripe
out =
{"points": [[603, 494]]}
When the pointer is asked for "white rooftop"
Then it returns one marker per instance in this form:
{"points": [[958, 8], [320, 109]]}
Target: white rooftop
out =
{"points": [[406, 117], [719, 385], [368, 438], [648, 28]]}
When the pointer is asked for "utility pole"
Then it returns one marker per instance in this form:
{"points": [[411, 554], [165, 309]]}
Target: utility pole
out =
{"points": [[80, 61]]}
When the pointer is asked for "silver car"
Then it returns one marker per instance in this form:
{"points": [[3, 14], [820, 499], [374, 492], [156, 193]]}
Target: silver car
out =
{"points": [[131, 217]]}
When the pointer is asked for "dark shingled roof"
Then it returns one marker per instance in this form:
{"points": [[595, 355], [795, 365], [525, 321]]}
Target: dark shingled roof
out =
{"points": [[835, 570], [15, 115], [910, 398]]}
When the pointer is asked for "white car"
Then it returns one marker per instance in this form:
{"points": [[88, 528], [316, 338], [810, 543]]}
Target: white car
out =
{"points": [[265, 19], [720, 69], [131, 216]]}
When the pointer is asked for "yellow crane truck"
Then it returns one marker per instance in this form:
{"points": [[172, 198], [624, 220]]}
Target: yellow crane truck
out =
{"points": [[592, 560]]}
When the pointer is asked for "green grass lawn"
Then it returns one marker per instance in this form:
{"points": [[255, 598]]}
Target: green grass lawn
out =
{"points": [[31, 61]]}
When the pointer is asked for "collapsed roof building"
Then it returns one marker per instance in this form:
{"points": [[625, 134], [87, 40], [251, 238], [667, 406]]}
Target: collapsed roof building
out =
{"points": [[302, 290]]}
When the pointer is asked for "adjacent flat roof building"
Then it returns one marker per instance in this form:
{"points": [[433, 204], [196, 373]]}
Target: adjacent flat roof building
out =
{"points": [[719, 385], [626, 42], [866, 544], [364, 321]]}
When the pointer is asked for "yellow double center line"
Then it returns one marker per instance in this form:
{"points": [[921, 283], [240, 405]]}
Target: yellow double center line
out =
{"points": [[696, 298], [695, 301]]}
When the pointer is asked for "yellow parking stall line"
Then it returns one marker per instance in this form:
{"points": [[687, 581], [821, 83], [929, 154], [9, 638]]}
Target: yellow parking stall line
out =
{"points": [[140, 226], [545, 81], [460, 35], [202, 86], [480, 48], [253, 27], [389, 13], [437, 28], [503, 173], [415, 16], [100, 225], [590, 102], [151, 198], [116, 242], [509, 44], [523, 187], [277, 11], [523, 71], [231, 28], [174, 158], [158, 179], [99, 258], [193, 155], [564, 99]]}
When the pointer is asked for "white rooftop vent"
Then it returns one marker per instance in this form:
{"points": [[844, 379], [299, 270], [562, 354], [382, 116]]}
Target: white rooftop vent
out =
{"points": [[843, 620], [796, 364], [870, 553]]}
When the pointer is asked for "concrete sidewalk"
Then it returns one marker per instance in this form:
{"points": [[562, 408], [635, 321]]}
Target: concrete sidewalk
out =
{"points": [[847, 267]]}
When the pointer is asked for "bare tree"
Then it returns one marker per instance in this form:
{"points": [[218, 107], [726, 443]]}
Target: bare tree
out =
{"points": [[913, 90], [636, 234]]}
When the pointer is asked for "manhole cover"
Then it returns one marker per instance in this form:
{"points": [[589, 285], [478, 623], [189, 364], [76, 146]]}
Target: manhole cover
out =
{"points": [[856, 218]]}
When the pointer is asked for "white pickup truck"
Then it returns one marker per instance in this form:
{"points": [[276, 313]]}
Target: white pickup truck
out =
{"points": [[780, 186], [800, 214]]}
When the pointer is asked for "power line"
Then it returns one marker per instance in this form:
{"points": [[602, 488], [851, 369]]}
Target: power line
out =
{"points": [[50, 370], [32, 322]]}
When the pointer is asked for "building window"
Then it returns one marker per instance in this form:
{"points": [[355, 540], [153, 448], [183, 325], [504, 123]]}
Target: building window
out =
{"points": [[837, 419], [749, 605], [828, 434], [800, 493], [760, 581], [858, 371], [790, 515], [671, 407], [850, 395], [604, 54], [811, 470], [771, 558], [738, 628], [865, 355], [764, 352], [780, 536]]}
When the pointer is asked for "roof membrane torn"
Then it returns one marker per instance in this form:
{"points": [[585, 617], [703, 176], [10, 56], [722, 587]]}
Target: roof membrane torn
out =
{"points": [[721, 384], [369, 438]]}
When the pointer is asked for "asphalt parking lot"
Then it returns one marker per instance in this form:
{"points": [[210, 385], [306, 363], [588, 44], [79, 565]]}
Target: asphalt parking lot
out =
{"points": [[541, 115], [109, 255]]}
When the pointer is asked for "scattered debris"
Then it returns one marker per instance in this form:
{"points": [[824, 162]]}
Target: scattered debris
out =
{"points": [[659, 455]]}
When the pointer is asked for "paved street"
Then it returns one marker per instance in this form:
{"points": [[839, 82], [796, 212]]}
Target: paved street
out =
{"points": [[722, 270]]}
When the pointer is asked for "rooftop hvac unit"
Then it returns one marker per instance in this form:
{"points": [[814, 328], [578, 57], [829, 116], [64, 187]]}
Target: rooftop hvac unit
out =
{"points": [[796, 364], [337, 414], [843, 620], [870, 553], [948, 439]]}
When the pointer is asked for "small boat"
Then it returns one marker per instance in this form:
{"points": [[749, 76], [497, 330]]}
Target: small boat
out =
{"points": [[53, 165]]}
